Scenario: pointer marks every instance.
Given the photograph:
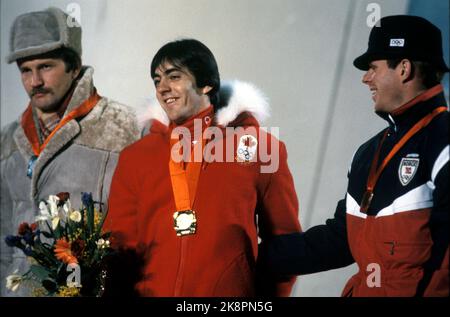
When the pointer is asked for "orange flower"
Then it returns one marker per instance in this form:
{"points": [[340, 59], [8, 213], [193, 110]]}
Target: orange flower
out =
{"points": [[63, 252]]}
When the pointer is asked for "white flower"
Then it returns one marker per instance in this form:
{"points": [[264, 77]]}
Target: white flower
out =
{"points": [[101, 243], [67, 206], [13, 281], [53, 204], [75, 216], [49, 211]]}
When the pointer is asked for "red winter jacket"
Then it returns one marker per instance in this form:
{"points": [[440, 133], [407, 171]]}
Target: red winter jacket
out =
{"points": [[235, 203], [401, 244]]}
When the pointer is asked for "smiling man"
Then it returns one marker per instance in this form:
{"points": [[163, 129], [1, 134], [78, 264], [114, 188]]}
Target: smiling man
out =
{"points": [[394, 219], [177, 92], [195, 223], [68, 138]]}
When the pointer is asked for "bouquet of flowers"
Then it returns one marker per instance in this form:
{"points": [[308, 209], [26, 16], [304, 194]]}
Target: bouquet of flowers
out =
{"points": [[66, 247]]}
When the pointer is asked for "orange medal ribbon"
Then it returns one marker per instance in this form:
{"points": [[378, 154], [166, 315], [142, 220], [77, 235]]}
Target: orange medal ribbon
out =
{"points": [[184, 177], [375, 172]]}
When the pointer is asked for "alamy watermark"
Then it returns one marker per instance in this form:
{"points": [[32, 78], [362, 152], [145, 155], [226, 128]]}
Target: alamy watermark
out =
{"points": [[74, 278], [232, 144], [374, 277], [373, 19], [73, 9]]}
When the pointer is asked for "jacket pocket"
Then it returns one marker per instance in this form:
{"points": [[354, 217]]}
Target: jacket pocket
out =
{"points": [[398, 254]]}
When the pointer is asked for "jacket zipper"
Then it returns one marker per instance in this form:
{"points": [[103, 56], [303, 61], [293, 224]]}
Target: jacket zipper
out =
{"points": [[181, 264]]}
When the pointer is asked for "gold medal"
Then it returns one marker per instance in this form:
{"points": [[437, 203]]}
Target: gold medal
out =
{"points": [[185, 222]]}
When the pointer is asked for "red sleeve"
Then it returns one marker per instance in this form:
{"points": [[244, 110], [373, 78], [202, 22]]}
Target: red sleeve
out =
{"points": [[121, 218], [278, 214], [122, 222]]}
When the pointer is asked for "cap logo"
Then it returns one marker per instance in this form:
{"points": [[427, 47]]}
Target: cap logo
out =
{"points": [[397, 43]]}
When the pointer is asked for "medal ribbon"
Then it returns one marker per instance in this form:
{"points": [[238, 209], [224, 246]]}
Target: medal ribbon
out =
{"points": [[30, 128], [184, 181], [184, 177], [375, 172]]}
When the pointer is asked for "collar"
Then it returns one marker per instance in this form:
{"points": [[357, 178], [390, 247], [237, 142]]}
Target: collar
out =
{"points": [[206, 116], [408, 114]]}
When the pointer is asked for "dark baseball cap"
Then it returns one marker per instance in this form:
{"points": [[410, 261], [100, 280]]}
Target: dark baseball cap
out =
{"points": [[404, 36]]}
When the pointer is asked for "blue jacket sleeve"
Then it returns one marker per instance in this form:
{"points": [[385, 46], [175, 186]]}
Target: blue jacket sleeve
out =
{"points": [[321, 248]]}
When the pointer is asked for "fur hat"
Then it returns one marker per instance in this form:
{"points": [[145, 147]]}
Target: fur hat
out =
{"points": [[40, 32], [404, 36]]}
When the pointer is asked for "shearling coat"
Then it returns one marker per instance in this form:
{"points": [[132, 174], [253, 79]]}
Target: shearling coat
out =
{"points": [[81, 157], [235, 203]]}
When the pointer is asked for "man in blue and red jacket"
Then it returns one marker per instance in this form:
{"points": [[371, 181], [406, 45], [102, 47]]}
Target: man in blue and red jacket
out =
{"points": [[393, 221]]}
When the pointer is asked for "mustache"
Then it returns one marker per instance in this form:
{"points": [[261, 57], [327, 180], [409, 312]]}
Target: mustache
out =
{"points": [[40, 90]]}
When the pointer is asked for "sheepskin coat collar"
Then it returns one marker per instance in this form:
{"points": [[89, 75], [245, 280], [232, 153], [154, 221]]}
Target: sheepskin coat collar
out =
{"points": [[89, 124]]}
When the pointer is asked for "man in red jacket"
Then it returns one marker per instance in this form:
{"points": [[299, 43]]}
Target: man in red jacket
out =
{"points": [[394, 219], [191, 198]]}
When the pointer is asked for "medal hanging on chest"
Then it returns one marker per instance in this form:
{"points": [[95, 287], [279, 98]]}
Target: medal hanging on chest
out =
{"points": [[184, 178], [185, 222]]}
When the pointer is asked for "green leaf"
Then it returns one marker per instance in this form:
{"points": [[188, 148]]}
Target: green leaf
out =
{"points": [[100, 226], [90, 219], [61, 273], [40, 272], [58, 232], [70, 228], [46, 234], [83, 213], [49, 228]]}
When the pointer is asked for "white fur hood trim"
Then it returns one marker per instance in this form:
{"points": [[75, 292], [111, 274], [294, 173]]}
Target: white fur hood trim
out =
{"points": [[245, 97], [238, 97]]}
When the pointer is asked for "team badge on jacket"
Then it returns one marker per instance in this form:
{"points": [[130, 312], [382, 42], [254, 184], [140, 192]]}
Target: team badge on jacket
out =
{"points": [[246, 150], [408, 168]]}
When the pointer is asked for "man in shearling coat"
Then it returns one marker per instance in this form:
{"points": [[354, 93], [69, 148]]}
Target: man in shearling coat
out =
{"points": [[68, 138]]}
